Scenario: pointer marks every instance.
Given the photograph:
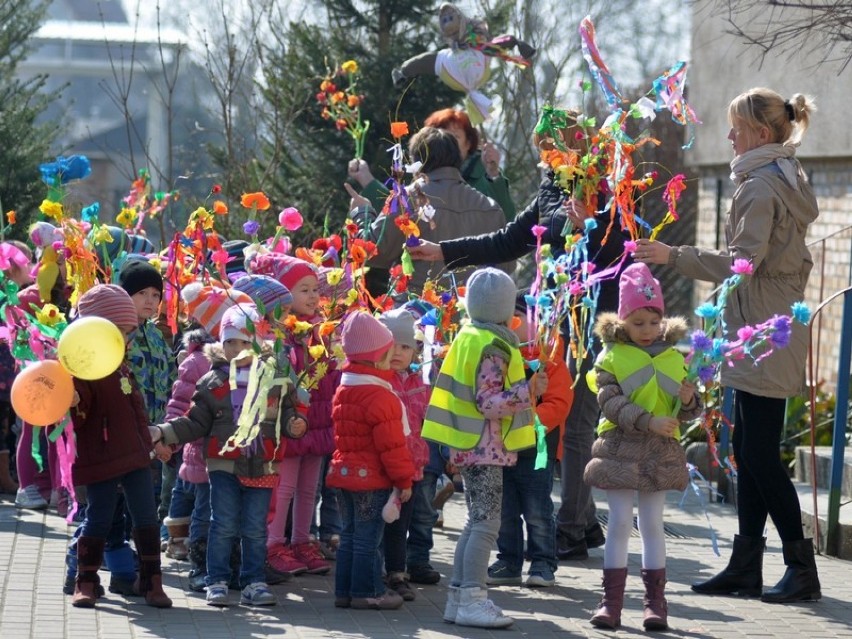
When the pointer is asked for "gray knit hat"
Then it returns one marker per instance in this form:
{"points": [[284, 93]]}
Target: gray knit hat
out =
{"points": [[490, 296], [401, 323]]}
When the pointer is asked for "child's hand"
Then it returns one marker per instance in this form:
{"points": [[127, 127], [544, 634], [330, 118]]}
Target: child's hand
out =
{"points": [[298, 426], [538, 384], [663, 426], [687, 393], [404, 495], [163, 452]]}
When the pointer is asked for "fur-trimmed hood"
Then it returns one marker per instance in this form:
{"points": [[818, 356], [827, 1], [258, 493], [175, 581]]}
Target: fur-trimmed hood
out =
{"points": [[611, 329]]}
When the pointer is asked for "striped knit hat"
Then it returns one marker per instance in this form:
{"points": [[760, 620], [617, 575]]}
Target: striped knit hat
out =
{"points": [[285, 268], [234, 324], [235, 266], [110, 302], [365, 338], [266, 289], [207, 304], [140, 244]]}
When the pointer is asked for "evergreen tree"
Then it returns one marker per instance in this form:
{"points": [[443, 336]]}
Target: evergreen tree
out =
{"points": [[378, 35], [24, 142]]}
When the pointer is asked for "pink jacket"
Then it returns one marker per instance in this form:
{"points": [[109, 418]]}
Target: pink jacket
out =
{"points": [[415, 395], [192, 368]]}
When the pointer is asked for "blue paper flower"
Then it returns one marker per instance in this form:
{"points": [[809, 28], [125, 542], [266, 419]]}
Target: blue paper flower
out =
{"points": [[251, 227], [90, 213], [65, 169], [801, 312]]}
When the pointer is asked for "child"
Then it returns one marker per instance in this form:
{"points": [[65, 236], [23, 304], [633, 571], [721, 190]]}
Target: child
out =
{"points": [[415, 396], [371, 458], [527, 491], [639, 378], [480, 408], [241, 480], [300, 469], [113, 450]]}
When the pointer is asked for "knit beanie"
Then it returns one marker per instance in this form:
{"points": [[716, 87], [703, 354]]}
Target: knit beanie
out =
{"points": [[285, 268], [401, 324], [365, 338], [207, 304], [137, 275], [110, 302], [234, 324], [266, 289], [140, 244], [236, 256], [637, 288], [490, 296]]}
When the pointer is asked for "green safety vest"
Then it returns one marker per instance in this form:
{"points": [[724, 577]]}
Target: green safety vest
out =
{"points": [[453, 417], [651, 382]]}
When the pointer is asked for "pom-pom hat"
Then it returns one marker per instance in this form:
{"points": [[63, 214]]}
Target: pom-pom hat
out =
{"points": [[207, 304], [234, 324]]}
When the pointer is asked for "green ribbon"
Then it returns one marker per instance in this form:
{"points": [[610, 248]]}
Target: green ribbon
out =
{"points": [[540, 444], [553, 120]]}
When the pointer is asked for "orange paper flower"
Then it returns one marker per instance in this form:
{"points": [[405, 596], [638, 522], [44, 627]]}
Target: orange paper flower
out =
{"points": [[398, 129], [256, 200], [219, 207]]}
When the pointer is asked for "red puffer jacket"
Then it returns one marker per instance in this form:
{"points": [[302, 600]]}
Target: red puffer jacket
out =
{"points": [[371, 451]]}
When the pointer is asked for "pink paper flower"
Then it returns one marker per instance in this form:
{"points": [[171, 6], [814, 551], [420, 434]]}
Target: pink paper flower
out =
{"points": [[538, 230], [290, 219], [630, 246], [745, 333], [742, 267]]}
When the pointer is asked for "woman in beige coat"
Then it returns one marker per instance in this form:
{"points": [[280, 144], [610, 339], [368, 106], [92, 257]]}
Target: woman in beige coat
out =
{"points": [[772, 207]]}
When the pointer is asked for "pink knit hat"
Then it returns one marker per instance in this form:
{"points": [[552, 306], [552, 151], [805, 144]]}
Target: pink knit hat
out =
{"points": [[285, 268], [637, 288], [110, 302], [365, 338]]}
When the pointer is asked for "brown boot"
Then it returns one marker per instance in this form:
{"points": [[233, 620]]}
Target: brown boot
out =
{"points": [[656, 609], [90, 554], [150, 581], [8, 485], [178, 537], [608, 614]]}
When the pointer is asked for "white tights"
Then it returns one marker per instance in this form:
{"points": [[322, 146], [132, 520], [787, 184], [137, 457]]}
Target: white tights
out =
{"points": [[620, 526]]}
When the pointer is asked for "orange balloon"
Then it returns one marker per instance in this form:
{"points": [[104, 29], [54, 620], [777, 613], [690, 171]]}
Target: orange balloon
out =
{"points": [[42, 393]]}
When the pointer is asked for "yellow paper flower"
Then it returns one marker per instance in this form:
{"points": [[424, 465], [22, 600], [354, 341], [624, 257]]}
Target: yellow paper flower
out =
{"points": [[316, 351], [156, 263], [127, 217], [203, 216], [126, 388], [334, 276], [351, 296], [350, 66], [49, 315], [337, 352], [51, 209], [301, 327], [102, 235]]}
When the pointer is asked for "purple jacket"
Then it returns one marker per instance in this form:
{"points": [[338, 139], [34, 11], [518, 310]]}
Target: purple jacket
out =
{"points": [[319, 438], [192, 368]]}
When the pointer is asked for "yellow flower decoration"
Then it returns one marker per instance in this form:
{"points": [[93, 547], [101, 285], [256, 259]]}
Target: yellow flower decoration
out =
{"points": [[156, 263], [102, 235], [51, 209], [203, 216], [302, 327], [337, 352], [316, 351], [126, 388], [351, 296], [334, 276], [50, 315], [350, 66], [127, 217]]}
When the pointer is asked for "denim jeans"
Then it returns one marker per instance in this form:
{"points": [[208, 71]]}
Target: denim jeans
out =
{"points": [[168, 475], [103, 497], [116, 538], [199, 526], [359, 561], [526, 493], [183, 499], [329, 511], [423, 518], [237, 512]]}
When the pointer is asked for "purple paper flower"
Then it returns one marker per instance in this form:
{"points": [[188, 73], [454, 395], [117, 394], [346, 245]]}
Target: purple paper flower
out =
{"points": [[251, 227], [412, 240], [700, 341], [706, 374]]}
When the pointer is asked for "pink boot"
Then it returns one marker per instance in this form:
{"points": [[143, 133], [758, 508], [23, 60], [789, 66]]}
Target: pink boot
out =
{"points": [[608, 614], [656, 609]]}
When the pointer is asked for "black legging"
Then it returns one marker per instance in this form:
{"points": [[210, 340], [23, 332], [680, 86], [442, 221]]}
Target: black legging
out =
{"points": [[763, 485]]}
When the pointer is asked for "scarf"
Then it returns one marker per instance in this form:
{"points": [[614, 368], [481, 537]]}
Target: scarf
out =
{"points": [[149, 360], [361, 379], [501, 330], [784, 155]]}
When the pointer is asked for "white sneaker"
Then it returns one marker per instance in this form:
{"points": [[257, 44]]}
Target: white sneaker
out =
{"points": [[31, 498], [217, 595], [451, 610], [257, 594], [476, 609]]}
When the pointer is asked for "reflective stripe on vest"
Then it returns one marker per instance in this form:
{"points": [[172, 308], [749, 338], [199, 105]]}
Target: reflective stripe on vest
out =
{"points": [[453, 417], [650, 382]]}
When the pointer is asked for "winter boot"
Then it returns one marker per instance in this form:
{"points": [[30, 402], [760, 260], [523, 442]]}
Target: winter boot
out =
{"points": [[198, 561], [744, 573], [7, 485], [150, 581], [800, 581], [90, 555], [656, 609], [178, 528], [122, 567], [398, 581], [477, 610], [608, 614]]}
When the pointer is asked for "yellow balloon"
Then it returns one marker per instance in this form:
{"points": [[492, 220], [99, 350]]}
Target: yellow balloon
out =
{"points": [[91, 348]]}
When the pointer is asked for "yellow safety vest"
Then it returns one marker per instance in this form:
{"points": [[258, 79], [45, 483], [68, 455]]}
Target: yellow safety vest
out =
{"points": [[453, 417], [651, 382]]}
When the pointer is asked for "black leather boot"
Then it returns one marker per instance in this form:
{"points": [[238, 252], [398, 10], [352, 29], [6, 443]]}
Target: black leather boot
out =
{"points": [[800, 581], [744, 574]]}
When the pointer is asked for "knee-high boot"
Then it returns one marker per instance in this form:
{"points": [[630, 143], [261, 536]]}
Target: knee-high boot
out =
{"points": [[150, 582], [608, 614], [656, 608], [744, 572], [90, 555], [800, 581]]}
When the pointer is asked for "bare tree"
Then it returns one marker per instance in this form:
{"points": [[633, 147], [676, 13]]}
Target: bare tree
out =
{"points": [[822, 28]]}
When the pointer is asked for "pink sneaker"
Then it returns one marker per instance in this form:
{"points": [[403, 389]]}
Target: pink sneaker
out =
{"points": [[282, 559], [310, 555]]}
